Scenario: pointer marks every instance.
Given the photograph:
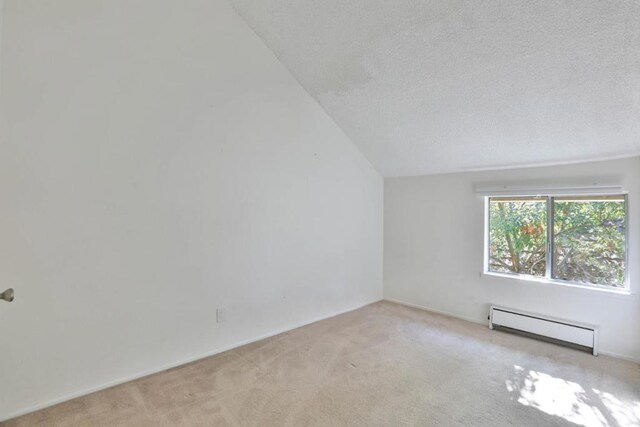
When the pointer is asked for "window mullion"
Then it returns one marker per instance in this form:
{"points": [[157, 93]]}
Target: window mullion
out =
{"points": [[550, 221]]}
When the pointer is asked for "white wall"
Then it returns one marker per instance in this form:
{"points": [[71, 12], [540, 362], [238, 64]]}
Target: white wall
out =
{"points": [[1, 15], [158, 162], [434, 237]]}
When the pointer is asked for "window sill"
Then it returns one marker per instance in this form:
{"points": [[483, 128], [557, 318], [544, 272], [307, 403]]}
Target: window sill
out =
{"points": [[626, 293]]}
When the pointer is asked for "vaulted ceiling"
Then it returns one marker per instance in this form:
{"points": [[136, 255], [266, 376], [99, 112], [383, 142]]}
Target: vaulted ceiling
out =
{"points": [[425, 86]]}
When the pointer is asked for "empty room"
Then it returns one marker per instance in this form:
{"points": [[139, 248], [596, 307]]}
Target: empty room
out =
{"points": [[320, 213]]}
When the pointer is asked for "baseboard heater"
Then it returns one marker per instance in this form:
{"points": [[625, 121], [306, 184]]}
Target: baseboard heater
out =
{"points": [[556, 330]]}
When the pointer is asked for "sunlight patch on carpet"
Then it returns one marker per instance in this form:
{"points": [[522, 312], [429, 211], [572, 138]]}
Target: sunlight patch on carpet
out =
{"points": [[571, 401]]}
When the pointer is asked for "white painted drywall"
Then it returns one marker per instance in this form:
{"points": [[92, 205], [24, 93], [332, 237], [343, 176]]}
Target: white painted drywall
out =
{"points": [[1, 17], [434, 240], [435, 86], [160, 162]]}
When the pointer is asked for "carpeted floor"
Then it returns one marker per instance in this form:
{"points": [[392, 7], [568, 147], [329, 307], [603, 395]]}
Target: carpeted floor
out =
{"points": [[382, 365]]}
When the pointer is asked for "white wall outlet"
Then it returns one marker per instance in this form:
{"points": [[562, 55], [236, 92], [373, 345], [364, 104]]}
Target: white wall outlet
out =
{"points": [[221, 314]]}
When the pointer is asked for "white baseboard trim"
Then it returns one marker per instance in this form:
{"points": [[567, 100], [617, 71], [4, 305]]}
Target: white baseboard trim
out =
{"points": [[433, 310], [143, 374], [486, 323], [618, 356]]}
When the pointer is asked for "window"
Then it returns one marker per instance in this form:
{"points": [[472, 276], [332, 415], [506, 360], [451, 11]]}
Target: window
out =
{"points": [[578, 240]]}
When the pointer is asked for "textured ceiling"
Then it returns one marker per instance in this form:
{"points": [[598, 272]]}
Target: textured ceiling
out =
{"points": [[427, 87]]}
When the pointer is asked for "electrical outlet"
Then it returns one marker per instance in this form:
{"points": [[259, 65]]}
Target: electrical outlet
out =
{"points": [[221, 314]]}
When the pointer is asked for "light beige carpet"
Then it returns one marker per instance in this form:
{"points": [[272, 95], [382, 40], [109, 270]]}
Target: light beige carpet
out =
{"points": [[382, 365]]}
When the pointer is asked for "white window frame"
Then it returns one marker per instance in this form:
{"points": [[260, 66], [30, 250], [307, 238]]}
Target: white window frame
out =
{"points": [[548, 277]]}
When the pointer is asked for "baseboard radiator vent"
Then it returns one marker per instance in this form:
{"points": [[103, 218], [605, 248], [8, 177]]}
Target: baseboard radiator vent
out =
{"points": [[560, 331]]}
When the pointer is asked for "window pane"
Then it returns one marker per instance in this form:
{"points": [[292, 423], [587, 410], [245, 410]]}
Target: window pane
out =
{"points": [[589, 238], [518, 235]]}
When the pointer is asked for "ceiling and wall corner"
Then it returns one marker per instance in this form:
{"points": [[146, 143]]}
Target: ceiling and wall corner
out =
{"points": [[432, 87]]}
